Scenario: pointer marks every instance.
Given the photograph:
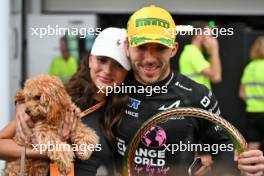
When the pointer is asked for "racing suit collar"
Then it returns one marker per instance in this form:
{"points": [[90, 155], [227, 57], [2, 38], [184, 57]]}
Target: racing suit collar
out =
{"points": [[164, 82]]}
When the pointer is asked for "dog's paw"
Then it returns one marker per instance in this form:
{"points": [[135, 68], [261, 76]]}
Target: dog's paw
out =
{"points": [[64, 167], [63, 159], [84, 154]]}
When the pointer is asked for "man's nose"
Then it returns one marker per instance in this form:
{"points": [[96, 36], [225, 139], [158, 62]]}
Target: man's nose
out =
{"points": [[150, 54]]}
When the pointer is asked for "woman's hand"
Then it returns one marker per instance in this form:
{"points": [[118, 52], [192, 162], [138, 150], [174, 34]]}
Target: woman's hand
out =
{"points": [[68, 124], [24, 124]]}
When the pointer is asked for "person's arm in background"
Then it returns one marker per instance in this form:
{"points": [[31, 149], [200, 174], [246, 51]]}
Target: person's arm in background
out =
{"points": [[9, 150], [214, 71]]}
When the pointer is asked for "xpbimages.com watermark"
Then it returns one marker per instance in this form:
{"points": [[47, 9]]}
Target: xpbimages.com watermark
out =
{"points": [[148, 90], [82, 149], [56, 30], [190, 30], [188, 146], [210, 29]]}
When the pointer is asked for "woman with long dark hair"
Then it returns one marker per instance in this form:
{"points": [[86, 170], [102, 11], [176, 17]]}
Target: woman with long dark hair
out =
{"points": [[106, 66]]}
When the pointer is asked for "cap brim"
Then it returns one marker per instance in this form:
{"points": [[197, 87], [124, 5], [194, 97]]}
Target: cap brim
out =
{"points": [[113, 54], [138, 40]]}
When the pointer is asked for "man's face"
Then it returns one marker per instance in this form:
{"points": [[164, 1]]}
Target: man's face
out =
{"points": [[151, 62]]}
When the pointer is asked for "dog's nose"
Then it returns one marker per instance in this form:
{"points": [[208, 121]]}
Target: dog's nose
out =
{"points": [[27, 111]]}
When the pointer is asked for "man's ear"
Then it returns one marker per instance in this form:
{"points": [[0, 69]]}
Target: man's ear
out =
{"points": [[174, 49], [126, 47]]}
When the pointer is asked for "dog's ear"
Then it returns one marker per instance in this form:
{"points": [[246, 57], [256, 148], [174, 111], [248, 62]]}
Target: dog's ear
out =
{"points": [[57, 105], [52, 107], [65, 100], [19, 98]]}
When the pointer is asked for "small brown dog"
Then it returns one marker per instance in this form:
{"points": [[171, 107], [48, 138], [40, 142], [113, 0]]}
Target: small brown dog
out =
{"points": [[47, 102]]}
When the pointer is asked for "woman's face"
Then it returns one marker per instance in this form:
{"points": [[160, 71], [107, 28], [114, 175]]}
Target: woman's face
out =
{"points": [[105, 71]]}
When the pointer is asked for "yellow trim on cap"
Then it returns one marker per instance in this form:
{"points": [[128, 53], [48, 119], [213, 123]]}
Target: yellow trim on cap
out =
{"points": [[135, 41], [151, 24]]}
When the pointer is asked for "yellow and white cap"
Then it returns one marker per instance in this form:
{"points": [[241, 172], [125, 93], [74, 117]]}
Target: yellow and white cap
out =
{"points": [[151, 24]]}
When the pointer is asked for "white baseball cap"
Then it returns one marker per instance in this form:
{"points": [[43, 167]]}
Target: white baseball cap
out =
{"points": [[111, 43]]}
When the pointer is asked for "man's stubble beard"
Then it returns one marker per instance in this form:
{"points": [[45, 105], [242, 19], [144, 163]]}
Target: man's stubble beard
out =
{"points": [[163, 73]]}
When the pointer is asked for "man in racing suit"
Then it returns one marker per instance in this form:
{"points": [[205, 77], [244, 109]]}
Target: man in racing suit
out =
{"points": [[166, 149], [173, 142]]}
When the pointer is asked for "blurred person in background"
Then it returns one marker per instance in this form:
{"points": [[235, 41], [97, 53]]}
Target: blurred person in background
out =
{"points": [[252, 92], [200, 60], [65, 65]]}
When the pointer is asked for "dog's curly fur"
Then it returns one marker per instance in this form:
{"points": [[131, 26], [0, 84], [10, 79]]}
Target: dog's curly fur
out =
{"points": [[47, 102]]}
